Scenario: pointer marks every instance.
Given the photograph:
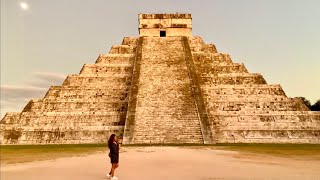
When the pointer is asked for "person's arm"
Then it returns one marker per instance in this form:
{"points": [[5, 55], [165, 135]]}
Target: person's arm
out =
{"points": [[119, 143]]}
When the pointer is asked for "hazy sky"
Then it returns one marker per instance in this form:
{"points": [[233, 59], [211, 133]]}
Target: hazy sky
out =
{"points": [[50, 39]]}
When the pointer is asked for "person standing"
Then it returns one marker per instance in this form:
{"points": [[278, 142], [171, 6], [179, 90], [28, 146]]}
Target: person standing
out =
{"points": [[114, 156]]}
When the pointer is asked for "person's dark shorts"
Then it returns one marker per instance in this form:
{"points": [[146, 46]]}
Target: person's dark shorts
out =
{"points": [[114, 159]]}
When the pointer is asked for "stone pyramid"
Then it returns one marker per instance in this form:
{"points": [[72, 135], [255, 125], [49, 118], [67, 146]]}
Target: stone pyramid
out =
{"points": [[165, 86]]}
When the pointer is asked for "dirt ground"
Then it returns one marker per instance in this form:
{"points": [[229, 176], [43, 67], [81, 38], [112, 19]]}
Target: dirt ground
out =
{"points": [[168, 163]]}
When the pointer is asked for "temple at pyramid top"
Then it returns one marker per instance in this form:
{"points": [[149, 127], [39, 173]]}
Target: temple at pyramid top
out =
{"points": [[162, 25]]}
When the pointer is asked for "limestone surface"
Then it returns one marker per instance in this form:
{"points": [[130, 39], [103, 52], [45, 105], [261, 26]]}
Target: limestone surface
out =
{"points": [[165, 86]]}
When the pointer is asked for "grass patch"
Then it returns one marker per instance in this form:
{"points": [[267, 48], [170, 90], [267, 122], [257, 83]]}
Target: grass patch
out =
{"points": [[25, 153], [283, 150], [159, 145]]}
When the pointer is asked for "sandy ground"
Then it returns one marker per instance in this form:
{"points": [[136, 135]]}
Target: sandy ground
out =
{"points": [[169, 163]]}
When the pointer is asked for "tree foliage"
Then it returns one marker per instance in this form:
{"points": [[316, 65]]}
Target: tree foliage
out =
{"points": [[312, 107], [316, 106], [306, 102]]}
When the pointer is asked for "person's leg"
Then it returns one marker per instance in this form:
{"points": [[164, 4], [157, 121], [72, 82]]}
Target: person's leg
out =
{"points": [[112, 169]]}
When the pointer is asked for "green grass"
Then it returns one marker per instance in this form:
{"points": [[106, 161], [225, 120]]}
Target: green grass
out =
{"points": [[26, 153], [283, 150]]}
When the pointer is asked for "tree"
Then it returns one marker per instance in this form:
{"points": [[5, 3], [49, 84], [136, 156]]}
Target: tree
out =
{"points": [[306, 102], [316, 106]]}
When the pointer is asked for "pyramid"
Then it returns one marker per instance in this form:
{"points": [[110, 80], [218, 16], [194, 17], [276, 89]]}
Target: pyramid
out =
{"points": [[165, 86]]}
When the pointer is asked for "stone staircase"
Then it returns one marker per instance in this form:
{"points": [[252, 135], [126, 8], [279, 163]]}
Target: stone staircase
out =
{"points": [[163, 90], [174, 89], [165, 106]]}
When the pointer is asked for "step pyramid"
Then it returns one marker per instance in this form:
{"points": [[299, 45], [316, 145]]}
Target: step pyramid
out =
{"points": [[165, 86]]}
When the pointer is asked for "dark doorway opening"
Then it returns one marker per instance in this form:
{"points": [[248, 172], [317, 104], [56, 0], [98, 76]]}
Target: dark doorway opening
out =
{"points": [[162, 33]]}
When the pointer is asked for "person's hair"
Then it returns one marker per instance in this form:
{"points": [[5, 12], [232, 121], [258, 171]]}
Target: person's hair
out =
{"points": [[111, 139]]}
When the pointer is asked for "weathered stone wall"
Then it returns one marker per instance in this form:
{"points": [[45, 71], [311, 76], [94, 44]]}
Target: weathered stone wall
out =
{"points": [[173, 24], [165, 106], [87, 108], [243, 108], [163, 90]]}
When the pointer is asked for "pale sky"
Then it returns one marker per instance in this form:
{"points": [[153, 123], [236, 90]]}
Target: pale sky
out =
{"points": [[43, 42]]}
